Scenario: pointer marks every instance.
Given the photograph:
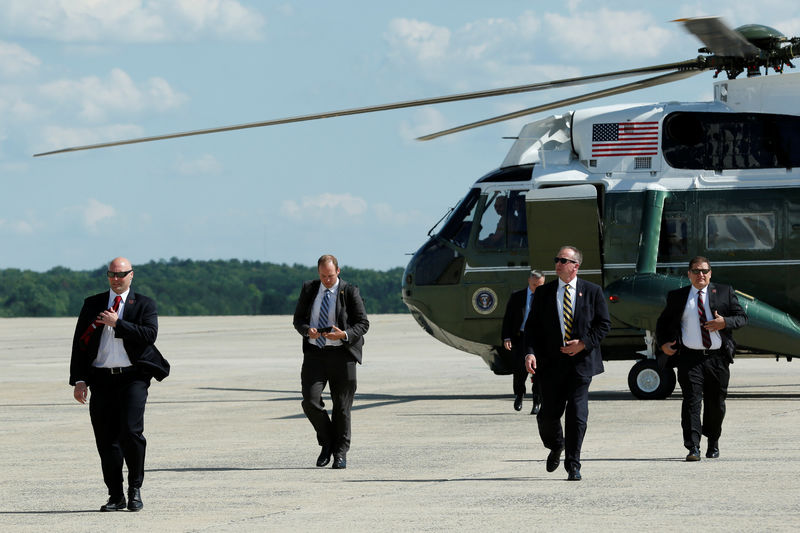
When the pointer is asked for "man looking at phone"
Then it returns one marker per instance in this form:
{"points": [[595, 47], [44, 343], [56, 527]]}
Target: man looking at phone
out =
{"points": [[330, 316]]}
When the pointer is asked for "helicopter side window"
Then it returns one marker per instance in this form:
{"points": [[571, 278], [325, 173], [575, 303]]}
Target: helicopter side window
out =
{"points": [[503, 222], [674, 237], [730, 141], [740, 231]]}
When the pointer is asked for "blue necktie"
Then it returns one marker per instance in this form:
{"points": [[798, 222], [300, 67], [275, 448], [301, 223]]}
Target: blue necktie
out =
{"points": [[322, 321]]}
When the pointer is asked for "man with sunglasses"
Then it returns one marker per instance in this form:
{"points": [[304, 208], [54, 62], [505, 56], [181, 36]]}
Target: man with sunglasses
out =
{"points": [[568, 321], [114, 357], [694, 330]]}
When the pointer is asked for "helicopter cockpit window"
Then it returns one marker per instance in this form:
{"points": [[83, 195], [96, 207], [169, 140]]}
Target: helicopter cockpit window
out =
{"points": [[740, 231], [730, 141], [503, 222], [459, 224]]}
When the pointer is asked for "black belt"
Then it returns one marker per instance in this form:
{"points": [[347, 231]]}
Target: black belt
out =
{"points": [[702, 352], [113, 371]]}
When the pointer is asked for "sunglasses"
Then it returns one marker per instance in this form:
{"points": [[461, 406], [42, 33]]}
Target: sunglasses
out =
{"points": [[564, 260], [700, 270], [118, 275]]}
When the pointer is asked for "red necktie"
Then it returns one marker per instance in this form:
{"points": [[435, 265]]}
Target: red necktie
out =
{"points": [[701, 310], [93, 326]]}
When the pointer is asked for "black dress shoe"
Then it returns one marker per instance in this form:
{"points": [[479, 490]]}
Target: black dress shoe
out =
{"points": [[518, 403], [114, 504], [554, 459], [536, 407], [135, 500], [324, 456], [574, 474], [713, 449], [339, 462], [694, 454]]}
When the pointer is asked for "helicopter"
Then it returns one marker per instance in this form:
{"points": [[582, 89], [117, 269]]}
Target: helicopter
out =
{"points": [[647, 187]]}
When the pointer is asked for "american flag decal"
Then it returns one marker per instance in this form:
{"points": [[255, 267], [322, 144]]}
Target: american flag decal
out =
{"points": [[626, 138]]}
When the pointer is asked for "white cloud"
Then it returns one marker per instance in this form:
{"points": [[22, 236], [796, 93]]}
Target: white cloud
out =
{"points": [[605, 33], [17, 227], [96, 97], [16, 61], [207, 164], [131, 20], [323, 205], [95, 212], [423, 122], [424, 41]]}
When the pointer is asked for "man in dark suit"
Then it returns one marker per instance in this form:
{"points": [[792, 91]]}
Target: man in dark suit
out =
{"points": [[113, 355], [694, 330], [517, 311], [330, 316], [568, 321]]}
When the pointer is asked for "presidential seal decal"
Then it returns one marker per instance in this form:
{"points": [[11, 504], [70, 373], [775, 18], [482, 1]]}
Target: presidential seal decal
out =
{"points": [[484, 301]]}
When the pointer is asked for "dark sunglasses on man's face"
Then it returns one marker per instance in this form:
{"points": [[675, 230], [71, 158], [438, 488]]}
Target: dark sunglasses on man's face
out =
{"points": [[118, 275], [564, 260], [700, 270]]}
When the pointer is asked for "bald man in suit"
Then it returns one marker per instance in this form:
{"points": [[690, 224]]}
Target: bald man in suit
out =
{"points": [[114, 357]]}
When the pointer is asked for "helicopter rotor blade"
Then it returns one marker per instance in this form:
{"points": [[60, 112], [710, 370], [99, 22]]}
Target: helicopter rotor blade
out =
{"points": [[718, 37], [567, 82], [620, 89]]}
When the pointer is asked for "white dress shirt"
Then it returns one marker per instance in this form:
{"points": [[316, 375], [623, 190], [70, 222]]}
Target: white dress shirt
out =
{"points": [[331, 311], [111, 353], [690, 323]]}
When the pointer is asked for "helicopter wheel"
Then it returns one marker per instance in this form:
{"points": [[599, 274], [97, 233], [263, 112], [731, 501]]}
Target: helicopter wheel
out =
{"points": [[648, 383]]}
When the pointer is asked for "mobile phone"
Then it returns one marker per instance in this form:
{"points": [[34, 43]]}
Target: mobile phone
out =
{"points": [[325, 330]]}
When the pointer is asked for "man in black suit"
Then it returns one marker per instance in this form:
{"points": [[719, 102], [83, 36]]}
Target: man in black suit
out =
{"points": [[114, 357], [517, 311], [694, 330], [568, 321], [330, 316]]}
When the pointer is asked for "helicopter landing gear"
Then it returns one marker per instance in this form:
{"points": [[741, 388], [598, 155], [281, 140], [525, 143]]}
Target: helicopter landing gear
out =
{"points": [[648, 383]]}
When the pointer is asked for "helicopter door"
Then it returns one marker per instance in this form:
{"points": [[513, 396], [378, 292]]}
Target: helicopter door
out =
{"points": [[562, 216]]}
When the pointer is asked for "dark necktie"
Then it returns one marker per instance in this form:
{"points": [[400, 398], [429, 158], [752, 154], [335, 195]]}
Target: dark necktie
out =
{"points": [[567, 314], [322, 321], [93, 326], [701, 311]]}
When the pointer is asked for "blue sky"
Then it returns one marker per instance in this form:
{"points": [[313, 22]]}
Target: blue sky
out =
{"points": [[88, 71]]}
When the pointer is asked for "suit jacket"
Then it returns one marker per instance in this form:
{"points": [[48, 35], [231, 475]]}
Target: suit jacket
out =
{"points": [[138, 330], [350, 316], [590, 324], [721, 299], [515, 312]]}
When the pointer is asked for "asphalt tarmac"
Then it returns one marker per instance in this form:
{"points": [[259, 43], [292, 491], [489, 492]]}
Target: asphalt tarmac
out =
{"points": [[436, 443]]}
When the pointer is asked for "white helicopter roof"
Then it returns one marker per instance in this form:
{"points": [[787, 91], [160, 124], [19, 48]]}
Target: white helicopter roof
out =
{"points": [[623, 141]]}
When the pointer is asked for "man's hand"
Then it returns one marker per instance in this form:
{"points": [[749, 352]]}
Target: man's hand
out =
{"points": [[507, 344], [715, 325], [335, 334], [669, 348], [530, 363], [80, 392], [572, 347], [108, 317], [313, 334]]}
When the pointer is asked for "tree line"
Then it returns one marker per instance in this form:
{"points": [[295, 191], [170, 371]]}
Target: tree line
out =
{"points": [[183, 287]]}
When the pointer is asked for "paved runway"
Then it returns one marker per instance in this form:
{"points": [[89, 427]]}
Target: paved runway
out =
{"points": [[436, 444]]}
